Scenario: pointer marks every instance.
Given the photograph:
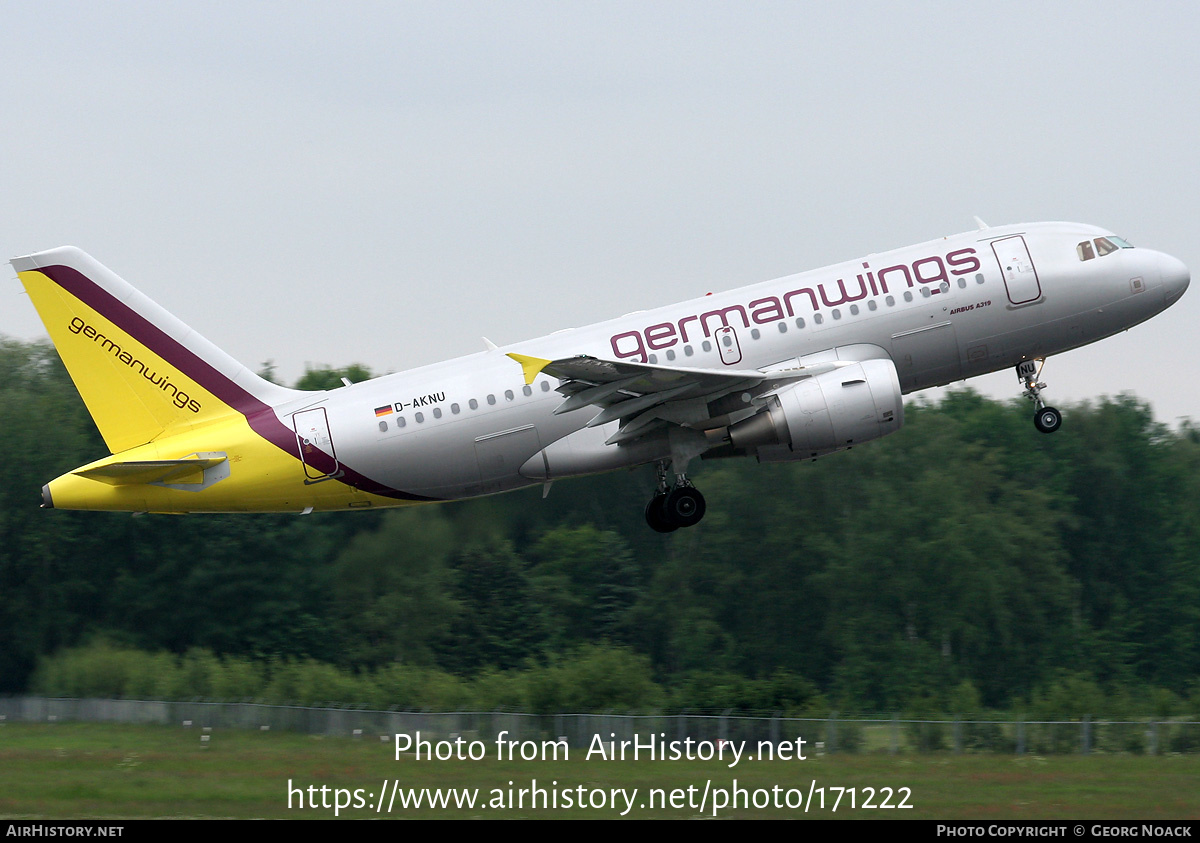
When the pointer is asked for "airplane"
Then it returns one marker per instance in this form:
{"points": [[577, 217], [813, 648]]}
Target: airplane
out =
{"points": [[790, 369]]}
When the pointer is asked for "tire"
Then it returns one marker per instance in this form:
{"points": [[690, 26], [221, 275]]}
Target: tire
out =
{"points": [[656, 515], [1047, 420], [684, 506]]}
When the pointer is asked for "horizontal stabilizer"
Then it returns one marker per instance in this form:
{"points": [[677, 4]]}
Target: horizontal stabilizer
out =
{"points": [[189, 471]]}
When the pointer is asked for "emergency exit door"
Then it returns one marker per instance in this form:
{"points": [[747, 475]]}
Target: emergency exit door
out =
{"points": [[727, 343]]}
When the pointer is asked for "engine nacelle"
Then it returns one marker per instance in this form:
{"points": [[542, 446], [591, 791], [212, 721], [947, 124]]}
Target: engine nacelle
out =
{"points": [[823, 414]]}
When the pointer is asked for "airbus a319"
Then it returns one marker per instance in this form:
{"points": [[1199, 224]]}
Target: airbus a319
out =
{"points": [[791, 369]]}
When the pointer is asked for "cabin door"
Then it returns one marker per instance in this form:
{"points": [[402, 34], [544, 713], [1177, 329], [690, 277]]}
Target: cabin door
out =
{"points": [[1020, 275], [315, 444]]}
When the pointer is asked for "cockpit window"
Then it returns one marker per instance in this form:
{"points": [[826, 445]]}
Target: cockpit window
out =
{"points": [[1103, 246]]}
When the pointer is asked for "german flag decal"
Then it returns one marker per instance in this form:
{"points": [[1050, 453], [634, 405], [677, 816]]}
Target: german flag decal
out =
{"points": [[385, 410]]}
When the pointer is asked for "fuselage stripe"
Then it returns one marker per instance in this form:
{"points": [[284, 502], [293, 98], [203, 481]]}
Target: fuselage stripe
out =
{"points": [[260, 416]]}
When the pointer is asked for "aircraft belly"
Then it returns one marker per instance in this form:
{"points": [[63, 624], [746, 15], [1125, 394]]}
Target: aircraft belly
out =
{"points": [[926, 356], [584, 452], [988, 352], [500, 455], [466, 458], [1120, 315]]}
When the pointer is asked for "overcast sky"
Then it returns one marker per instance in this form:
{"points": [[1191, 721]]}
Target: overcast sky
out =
{"points": [[385, 183]]}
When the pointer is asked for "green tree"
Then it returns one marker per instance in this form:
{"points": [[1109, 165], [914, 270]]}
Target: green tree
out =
{"points": [[392, 589], [586, 581], [327, 377], [501, 623], [54, 566]]}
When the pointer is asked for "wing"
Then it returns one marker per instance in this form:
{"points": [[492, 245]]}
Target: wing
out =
{"points": [[645, 398]]}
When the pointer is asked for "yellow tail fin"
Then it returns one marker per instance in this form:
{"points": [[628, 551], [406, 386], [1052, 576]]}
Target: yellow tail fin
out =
{"points": [[140, 371]]}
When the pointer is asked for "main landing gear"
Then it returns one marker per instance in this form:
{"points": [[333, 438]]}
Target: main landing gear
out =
{"points": [[672, 508], [1046, 419]]}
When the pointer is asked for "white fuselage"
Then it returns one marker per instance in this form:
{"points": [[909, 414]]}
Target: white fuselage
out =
{"points": [[942, 311]]}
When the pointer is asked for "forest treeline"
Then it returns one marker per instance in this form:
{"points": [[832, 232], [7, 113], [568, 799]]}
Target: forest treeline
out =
{"points": [[965, 562]]}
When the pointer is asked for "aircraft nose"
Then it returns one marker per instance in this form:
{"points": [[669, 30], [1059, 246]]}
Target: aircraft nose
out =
{"points": [[1175, 277]]}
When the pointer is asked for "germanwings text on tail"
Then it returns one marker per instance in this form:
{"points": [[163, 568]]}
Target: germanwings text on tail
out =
{"points": [[790, 369]]}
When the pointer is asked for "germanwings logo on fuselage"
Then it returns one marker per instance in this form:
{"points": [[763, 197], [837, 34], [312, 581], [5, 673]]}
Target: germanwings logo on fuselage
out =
{"points": [[932, 270], [181, 399]]}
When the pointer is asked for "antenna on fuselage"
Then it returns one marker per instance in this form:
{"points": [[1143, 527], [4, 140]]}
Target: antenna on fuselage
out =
{"points": [[982, 225]]}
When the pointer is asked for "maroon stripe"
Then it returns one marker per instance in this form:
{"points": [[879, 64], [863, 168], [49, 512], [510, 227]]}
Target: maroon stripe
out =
{"points": [[260, 416]]}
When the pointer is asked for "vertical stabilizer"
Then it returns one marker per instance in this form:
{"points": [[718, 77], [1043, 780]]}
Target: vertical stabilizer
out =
{"points": [[140, 371]]}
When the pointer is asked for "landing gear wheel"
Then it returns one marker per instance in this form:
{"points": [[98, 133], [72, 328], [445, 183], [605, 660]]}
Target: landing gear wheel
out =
{"points": [[1047, 419], [656, 515], [675, 506], [684, 506]]}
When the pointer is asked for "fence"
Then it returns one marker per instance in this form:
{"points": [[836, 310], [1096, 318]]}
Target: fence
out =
{"points": [[825, 735]]}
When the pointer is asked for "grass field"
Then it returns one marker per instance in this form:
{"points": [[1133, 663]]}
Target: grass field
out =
{"points": [[68, 771]]}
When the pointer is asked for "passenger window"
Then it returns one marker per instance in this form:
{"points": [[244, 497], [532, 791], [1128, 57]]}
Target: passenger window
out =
{"points": [[437, 412], [545, 386], [508, 395], [491, 399], [527, 390], [1085, 250], [473, 404]]}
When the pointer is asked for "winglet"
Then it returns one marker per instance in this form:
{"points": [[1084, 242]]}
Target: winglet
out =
{"points": [[530, 366]]}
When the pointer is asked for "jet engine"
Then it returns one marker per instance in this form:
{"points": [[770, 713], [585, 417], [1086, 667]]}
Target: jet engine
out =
{"points": [[819, 415]]}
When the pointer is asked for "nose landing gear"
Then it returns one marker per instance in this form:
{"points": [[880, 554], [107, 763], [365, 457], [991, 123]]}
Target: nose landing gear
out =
{"points": [[1046, 419], [672, 508]]}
